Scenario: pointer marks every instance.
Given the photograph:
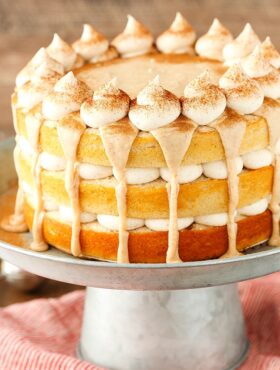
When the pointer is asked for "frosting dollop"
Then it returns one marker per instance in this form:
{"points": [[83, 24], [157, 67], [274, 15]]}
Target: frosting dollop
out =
{"points": [[203, 101], [108, 104], [40, 85], [63, 52], [66, 97], [262, 71], [154, 107], [270, 53], [212, 43], [242, 46], [178, 39], [243, 93], [134, 40], [41, 57], [91, 44]]}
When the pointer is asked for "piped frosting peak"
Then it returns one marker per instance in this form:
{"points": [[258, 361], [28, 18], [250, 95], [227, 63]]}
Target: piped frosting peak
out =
{"points": [[67, 97], [41, 57], [242, 46], [91, 44], [178, 39], [243, 93], [270, 53], [154, 107], [107, 105], [135, 39], [203, 102], [62, 52], [212, 43], [257, 67]]}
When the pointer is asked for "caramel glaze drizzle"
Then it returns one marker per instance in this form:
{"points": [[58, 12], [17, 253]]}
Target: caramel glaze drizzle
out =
{"points": [[270, 110], [117, 139], [16, 222], [174, 141], [231, 127], [70, 130], [33, 123]]}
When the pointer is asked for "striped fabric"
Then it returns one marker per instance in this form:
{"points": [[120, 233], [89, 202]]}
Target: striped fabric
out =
{"points": [[43, 334]]}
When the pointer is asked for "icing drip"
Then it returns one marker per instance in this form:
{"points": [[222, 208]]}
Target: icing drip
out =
{"points": [[174, 140], [117, 139], [33, 124], [271, 111], [231, 128], [16, 222], [70, 130]]}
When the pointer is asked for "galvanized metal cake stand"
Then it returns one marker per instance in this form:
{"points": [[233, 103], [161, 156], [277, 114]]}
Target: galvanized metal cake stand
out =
{"points": [[156, 316]]}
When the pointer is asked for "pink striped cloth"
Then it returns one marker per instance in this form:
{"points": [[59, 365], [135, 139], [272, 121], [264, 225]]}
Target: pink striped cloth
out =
{"points": [[43, 334]]}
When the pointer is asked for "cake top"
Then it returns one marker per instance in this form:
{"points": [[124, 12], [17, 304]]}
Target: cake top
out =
{"points": [[161, 80]]}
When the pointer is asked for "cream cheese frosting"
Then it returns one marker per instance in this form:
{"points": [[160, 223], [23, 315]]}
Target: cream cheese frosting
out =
{"points": [[66, 213], [212, 43], [88, 171], [257, 67], [255, 208], [61, 51], [203, 102], [92, 44], [51, 162], [242, 46], [218, 169], [108, 104], [136, 176], [270, 53], [134, 40], [217, 219], [178, 39], [243, 94], [185, 173], [66, 97], [41, 57], [257, 159], [112, 222], [162, 224], [154, 107]]}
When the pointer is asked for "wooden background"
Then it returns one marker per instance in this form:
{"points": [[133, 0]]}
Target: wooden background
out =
{"points": [[26, 25]]}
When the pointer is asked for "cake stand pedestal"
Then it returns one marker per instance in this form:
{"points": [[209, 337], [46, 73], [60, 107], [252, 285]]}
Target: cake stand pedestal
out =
{"points": [[149, 316]]}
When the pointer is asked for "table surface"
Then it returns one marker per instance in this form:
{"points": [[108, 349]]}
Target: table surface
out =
{"points": [[26, 25]]}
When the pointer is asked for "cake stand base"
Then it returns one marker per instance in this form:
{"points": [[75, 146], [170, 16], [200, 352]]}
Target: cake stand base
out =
{"points": [[175, 329]]}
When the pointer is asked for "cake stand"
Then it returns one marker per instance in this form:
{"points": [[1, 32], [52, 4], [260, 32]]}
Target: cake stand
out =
{"points": [[183, 316]]}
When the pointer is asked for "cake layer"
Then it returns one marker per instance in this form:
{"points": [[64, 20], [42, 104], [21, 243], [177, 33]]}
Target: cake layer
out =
{"points": [[201, 197], [147, 246], [206, 145]]}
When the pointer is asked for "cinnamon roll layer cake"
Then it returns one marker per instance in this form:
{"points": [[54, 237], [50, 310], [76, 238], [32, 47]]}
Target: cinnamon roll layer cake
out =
{"points": [[149, 151]]}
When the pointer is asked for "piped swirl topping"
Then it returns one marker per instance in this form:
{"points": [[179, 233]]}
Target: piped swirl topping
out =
{"points": [[242, 46], [203, 101], [212, 43], [41, 57], [107, 105], [154, 107], [178, 39], [40, 85], [270, 53], [63, 53], [91, 44], [66, 97], [243, 94], [134, 40], [262, 71]]}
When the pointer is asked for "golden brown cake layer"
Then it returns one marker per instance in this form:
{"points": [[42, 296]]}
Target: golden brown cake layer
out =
{"points": [[147, 246], [206, 145], [201, 197]]}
